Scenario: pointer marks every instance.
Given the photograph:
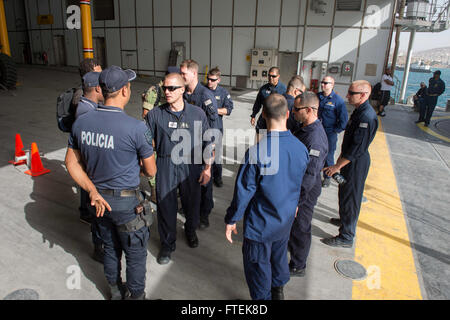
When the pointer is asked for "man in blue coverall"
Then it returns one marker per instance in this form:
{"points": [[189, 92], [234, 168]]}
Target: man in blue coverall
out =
{"points": [[273, 86], [436, 87], [107, 151], [334, 117], [313, 136], [178, 169], [200, 96], [224, 108], [266, 195], [353, 163]]}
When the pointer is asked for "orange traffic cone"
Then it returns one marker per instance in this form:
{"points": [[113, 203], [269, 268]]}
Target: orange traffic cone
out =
{"points": [[19, 152], [36, 164]]}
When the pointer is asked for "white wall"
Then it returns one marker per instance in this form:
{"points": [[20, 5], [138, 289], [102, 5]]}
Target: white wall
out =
{"points": [[217, 32]]}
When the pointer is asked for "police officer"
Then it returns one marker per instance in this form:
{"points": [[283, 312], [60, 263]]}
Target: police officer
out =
{"points": [[154, 96], [110, 145], [268, 214], [225, 106], [92, 96], [198, 95], [436, 87], [178, 165], [353, 162], [273, 86], [334, 117], [313, 136]]}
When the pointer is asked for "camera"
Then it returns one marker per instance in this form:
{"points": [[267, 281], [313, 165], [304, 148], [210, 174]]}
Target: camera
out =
{"points": [[339, 178]]}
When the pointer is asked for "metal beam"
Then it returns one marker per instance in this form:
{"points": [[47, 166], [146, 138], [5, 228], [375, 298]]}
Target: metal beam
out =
{"points": [[86, 29], [407, 65], [4, 41]]}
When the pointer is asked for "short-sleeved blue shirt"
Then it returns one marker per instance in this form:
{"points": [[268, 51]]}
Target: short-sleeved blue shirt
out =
{"points": [[111, 144], [223, 99], [203, 97], [85, 105], [332, 112]]}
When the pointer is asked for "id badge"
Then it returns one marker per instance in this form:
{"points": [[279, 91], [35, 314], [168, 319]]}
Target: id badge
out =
{"points": [[173, 125]]}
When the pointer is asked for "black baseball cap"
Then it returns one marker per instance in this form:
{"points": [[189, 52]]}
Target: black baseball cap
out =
{"points": [[437, 72], [90, 79], [115, 78]]}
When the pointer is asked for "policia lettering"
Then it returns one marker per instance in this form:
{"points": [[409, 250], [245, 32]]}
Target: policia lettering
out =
{"points": [[97, 140]]}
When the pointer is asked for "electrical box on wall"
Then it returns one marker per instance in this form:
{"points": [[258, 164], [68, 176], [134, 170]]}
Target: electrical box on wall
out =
{"points": [[262, 60], [347, 69], [264, 57], [334, 68], [259, 73]]}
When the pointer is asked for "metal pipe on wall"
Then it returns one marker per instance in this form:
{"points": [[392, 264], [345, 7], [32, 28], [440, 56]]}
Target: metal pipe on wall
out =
{"points": [[4, 41], [86, 28], [397, 36]]}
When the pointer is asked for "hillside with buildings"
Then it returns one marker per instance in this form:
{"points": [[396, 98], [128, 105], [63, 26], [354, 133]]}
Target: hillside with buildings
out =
{"points": [[435, 58]]}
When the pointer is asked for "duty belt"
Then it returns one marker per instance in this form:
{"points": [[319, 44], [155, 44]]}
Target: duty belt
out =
{"points": [[120, 193]]}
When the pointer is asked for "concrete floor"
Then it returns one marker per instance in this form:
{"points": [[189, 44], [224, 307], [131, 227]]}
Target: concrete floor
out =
{"points": [[45, 247]]}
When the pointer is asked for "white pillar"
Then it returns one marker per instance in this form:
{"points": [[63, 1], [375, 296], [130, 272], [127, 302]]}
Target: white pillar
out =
{"points": [[407, 65]]}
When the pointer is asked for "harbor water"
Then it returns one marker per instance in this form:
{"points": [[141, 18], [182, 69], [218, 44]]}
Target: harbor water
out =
{"points": [[414, 80]]}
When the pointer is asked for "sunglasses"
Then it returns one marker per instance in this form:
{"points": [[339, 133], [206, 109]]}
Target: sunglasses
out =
{"points": [[170, 88], [212, 80], [324, 82], [298, 109], [352, 93], [273, 75]]}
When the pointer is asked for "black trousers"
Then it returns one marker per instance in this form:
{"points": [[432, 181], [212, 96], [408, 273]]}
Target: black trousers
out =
{"points": [[350, 195], [207, 202], [300, 238], [168, 206]]}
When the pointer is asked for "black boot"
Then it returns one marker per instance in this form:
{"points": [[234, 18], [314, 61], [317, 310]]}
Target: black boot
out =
{"points": [[117, 291], [129, 296], [277, 293]]}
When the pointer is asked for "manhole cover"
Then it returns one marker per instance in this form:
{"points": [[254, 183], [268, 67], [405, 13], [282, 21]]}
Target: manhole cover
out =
{"points": [[443, 127], [23, 294], [350, 269]]}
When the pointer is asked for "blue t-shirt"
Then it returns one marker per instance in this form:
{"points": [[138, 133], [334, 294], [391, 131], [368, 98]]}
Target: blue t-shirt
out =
{"points": [[111, 144], [85, 105]]}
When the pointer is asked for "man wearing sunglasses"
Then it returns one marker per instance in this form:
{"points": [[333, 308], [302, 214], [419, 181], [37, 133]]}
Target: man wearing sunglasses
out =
{"points": [[225, 106], [312, 135], [273, 86], [334, 117], [178, 168], [353, 163], [198, 95]]}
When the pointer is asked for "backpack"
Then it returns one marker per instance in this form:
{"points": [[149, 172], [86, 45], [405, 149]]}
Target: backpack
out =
{"points": [[66, 107], [376, 92]]}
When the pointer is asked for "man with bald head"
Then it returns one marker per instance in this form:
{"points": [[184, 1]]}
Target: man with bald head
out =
{"points": [[172, 126], [268, 213], [353, 163], [313, 136], [334, 117]]}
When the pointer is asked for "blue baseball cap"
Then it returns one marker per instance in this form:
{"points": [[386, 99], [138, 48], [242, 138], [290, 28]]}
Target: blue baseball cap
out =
{"points": [[115, 78], [90, 79], [172, 69]]}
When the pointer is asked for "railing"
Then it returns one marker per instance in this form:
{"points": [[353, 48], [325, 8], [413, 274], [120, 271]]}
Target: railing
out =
{"points": [[434, 11], [397, 89]]}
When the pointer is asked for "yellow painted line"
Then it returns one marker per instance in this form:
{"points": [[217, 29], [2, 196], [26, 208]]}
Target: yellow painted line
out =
{"points": [[382, 243], [432, 132]]}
